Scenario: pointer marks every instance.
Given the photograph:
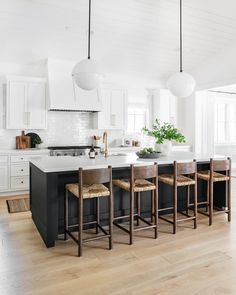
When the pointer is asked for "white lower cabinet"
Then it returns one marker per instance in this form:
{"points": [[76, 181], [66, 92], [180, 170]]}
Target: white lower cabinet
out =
{"points": [[20, 182], [20, 170], [3, 177], [14, 172]]}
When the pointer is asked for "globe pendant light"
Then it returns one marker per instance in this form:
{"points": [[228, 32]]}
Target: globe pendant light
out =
{"points": [[181, 84], [87, 72]]}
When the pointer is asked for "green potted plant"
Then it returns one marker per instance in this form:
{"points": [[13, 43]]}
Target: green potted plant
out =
{"points": [[164, 134], [37, 142]]}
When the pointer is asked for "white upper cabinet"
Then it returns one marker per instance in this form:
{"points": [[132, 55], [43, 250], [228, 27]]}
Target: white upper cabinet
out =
{"points": [[64, 94], [26, 103], [114, 109]]}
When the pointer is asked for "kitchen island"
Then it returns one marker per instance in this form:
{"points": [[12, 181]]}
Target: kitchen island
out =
{"points": [[49, 175]]}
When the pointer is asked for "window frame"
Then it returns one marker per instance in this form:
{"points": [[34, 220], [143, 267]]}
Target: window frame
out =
{"points": [[140, 106], [228, 101]]}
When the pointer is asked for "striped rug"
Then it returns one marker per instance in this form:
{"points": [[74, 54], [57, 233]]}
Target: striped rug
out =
{"points": [[18, 205]]}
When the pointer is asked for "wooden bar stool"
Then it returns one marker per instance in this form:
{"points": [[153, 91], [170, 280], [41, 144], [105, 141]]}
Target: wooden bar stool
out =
{"points": [[138, 183], [211, 176], [91, 184], [179, 179]]}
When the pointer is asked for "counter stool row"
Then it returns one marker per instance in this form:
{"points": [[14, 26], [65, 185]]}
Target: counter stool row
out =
{"points": [[98, 183]]}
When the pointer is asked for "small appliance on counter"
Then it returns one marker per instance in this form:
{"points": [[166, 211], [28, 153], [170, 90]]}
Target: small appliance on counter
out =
{"points": [[75, 151], [23, 141]]}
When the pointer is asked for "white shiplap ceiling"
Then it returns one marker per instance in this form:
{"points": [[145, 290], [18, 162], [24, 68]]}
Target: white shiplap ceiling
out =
{"points": [[131, 37]]}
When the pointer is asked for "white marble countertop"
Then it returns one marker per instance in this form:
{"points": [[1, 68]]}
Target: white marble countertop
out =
{"points": [[25, 151], [68, 163]]}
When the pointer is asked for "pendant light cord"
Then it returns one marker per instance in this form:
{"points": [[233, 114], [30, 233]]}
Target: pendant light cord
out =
{"points": [[181, 37], [89, 29]]}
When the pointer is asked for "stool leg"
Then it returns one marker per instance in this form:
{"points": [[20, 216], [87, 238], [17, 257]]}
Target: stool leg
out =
{"points": [[80, 225], [175, 209], [195, 203], [188, 199], [97, 214], [156, 213], [211, 203], [138, 206], [152, 207], [207, 204], [110, 200], [131, 217], [229, 199], [65, 214]]}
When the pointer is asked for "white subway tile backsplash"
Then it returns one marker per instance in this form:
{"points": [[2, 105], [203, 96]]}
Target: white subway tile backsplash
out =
{"points": [[63, 128]]}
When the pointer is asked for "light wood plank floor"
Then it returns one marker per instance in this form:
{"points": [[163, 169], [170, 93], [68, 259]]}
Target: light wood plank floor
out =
{"points": [[201, 261]]}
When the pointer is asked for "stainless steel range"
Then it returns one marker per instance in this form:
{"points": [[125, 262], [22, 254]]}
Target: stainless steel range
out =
{"points": [[74, 151]]}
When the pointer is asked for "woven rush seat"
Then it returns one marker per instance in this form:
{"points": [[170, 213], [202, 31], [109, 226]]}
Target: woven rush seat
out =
{"points": [[140, 185], [89, 191], [181, 180], [205, 175]]}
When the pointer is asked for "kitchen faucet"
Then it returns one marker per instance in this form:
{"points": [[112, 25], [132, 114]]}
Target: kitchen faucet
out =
{"points": [[105, 142]]}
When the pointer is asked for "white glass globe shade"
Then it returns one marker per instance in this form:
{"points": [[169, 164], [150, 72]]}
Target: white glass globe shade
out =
{"points": [[181, 84], [86, 74]]}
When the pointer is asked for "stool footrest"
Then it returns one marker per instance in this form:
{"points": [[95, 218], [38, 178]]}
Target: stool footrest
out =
{"points": [[121, 227], [149, 225], [185, 219], [98, 237], [144, 220], [165, 219], [214, 213], [188, 217], [124, 216], [199, 203], [135, 229], [165, 209], [86, 223], [144, 227]]}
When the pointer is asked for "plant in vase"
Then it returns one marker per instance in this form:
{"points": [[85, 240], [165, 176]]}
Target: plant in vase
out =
{"points": [[37, 142], [164, 134]]}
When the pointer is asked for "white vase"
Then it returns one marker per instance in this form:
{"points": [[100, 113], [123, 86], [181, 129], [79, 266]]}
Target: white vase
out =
{"points": [[165, 148]]}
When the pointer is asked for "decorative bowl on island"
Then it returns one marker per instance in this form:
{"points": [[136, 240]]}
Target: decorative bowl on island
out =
{"points": [[148, 153]]}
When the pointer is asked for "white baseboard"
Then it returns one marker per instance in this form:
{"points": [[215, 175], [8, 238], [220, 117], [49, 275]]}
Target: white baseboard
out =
{"points": [[14, 193]]}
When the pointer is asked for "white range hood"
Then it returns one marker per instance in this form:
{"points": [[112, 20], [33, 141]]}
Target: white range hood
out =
{"points": [[64, 94]]}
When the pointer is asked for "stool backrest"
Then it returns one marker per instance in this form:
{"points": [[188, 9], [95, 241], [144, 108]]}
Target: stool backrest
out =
{"points": [[98, 176], [145, 172], [220, 165], [185, 168]]}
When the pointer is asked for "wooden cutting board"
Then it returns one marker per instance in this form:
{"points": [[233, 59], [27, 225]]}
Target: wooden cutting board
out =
{"points": [[23, 141]]}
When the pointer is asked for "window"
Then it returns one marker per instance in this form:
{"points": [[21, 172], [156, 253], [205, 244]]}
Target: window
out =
{"points": [[225, 122], [137, 118]]}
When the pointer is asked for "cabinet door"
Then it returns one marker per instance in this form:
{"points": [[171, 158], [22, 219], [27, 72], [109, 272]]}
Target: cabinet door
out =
{"points": [[105, 115], [3, 177], [36, 105], [118, 109], [114, 109], [16, 105]]}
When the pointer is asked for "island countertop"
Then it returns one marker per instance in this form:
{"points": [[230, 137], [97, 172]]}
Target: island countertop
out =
{"points": [[49, 164]]}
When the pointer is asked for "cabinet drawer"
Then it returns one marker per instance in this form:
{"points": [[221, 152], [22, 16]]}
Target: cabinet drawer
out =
{"points": [[3, 159], [20, 170], [24, 158], [20, 182], [17, 159]]}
